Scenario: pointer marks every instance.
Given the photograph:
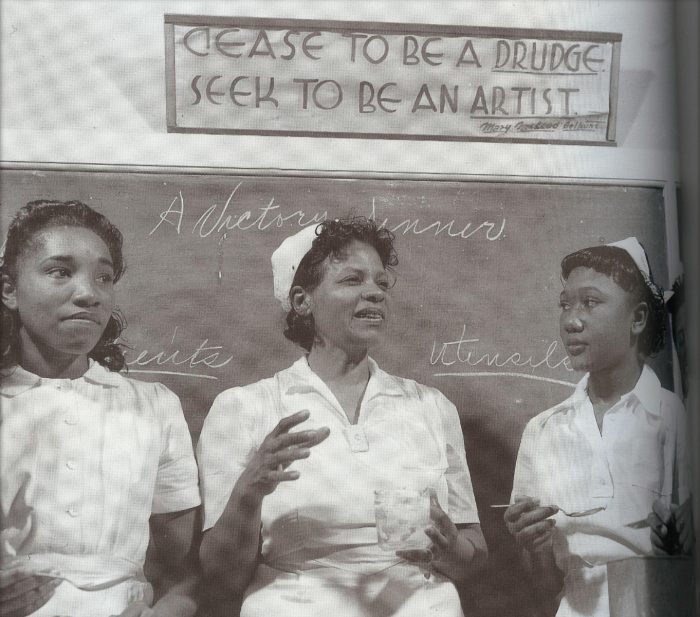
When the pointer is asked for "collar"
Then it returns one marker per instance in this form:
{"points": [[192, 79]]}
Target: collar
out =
{"points": [[300, 378], [572, 402], [647, 392], [16, 380]]}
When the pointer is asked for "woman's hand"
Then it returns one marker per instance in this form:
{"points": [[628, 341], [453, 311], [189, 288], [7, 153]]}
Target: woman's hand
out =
{"points": [[683, 516], [451, 550], [529, 523], [22, 591], [672, 528], [531, 526], [235, 537], [279, 449]]}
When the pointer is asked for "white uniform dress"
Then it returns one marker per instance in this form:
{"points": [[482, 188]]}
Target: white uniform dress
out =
{"points": [[320, 554], [639, 455], [84, 464]]}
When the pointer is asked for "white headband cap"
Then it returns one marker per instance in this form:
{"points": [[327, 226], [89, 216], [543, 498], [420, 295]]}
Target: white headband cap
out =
{"points": [[286, 260], [637, 253]]}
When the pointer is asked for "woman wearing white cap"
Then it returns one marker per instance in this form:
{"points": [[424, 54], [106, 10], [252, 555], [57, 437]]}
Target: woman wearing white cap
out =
{"points": [[612, 451], [289, 515]]}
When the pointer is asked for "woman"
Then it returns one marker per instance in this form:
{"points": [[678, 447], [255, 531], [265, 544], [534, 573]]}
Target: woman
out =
{"points": [[88, 457], [289, 515], [614, 450]]}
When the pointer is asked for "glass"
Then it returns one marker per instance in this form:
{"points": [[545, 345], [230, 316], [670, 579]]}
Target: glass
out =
{"points": [[402, 515]]}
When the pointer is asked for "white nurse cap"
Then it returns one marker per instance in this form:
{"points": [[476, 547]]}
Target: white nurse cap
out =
{"points": [[286, 260], [636, 251]]}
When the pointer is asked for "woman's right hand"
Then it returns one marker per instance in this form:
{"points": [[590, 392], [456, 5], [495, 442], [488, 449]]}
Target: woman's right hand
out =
{"points": [[22, 591], [529, 523], [279, 449]]}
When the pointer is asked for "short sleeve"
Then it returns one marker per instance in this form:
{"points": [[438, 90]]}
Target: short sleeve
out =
{"points": [[233, 430], [176, 481], [461, 500], [524, 477]]}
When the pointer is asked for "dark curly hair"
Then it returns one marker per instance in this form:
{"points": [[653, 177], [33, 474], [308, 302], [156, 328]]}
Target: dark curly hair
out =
{"points": [[678, 298], [618, 264], [332, 237], [42, 214]]}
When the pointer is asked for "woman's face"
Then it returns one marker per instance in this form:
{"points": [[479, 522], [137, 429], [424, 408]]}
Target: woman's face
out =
{"points": [[349, 304], [598, 320], [63, 292]]}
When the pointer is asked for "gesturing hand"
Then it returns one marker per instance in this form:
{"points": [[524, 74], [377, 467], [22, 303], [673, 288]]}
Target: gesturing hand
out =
{"points": [[529, 523], [279, 449]]}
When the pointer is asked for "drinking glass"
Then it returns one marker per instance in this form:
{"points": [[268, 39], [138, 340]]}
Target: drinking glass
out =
{"points": [[402, 515]]}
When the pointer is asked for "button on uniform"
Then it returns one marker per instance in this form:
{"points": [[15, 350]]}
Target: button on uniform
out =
{"points": [[357, 438]]}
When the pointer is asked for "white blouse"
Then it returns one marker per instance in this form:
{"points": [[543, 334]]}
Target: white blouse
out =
{"points": [[639, 455], [85, 462], [320, 529]]}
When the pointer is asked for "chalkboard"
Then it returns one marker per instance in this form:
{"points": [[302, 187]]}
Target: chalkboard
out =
{"points": [[474, 310]]}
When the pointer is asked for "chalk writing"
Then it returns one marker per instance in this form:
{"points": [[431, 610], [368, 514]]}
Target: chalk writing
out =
{"points": [[204, 356], [245, 221], [464, 351], [220, 257], [217, 220], [165, 215], [480, 374], [451, 228]]}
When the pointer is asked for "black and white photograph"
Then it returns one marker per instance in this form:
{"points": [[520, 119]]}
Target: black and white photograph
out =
{"points": [[367, 309]]}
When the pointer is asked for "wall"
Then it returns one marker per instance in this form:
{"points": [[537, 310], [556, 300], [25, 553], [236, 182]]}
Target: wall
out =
{"points": [[84, 84]]}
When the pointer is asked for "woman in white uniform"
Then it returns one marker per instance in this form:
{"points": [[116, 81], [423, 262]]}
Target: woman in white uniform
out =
{"points": [[289, 515], [614, 450], [93, 463]]}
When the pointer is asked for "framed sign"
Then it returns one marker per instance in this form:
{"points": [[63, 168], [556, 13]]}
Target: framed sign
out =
{"points": [[310, 78]]}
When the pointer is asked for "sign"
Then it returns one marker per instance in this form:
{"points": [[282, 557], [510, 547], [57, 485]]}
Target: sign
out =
{"points": [[313, 78]]}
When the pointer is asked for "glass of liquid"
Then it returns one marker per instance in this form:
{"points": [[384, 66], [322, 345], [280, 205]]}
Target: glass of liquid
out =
{"points": [[402, 515]]}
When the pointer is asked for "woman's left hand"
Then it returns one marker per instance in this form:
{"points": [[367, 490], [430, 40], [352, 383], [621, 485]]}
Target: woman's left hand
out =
{"points": [[450, 551], [672, 530]]}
